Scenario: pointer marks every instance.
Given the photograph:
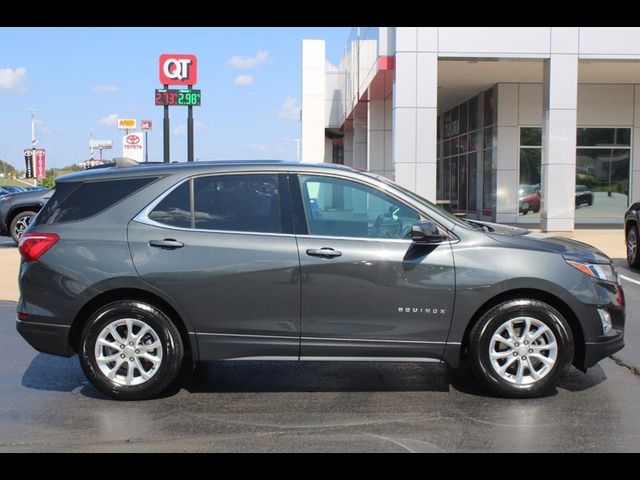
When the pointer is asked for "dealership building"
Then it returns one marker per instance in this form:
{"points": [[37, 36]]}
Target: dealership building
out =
{"points": [[531, 125]]}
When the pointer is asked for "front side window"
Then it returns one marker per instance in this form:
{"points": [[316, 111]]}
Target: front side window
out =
{"points": [[342, 208]]}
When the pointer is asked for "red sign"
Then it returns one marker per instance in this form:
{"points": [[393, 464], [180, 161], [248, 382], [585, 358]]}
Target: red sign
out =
{"points": [[133, 139], [176, 69], [145, 125], [40, 164]]}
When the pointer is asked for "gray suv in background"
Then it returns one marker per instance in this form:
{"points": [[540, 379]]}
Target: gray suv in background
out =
{"points": [[138, 268]]}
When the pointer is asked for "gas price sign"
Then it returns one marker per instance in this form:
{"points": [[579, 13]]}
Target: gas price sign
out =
{"points": [[178, 98]]}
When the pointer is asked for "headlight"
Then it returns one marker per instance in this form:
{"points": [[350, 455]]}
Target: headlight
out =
{"points": [[595, 270]]}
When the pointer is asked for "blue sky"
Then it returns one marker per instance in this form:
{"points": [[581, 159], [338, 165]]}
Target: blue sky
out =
{"points": [[82, 78]]}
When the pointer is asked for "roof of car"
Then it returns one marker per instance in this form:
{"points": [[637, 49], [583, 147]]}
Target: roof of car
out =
{"points": [[128, 168]]}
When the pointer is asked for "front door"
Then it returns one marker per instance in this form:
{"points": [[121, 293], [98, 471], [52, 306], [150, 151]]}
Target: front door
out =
{"points": [[367, 290], [222, 246]]}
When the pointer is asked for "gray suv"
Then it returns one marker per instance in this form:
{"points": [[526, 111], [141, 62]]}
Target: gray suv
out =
{"points": [[139, 268]]}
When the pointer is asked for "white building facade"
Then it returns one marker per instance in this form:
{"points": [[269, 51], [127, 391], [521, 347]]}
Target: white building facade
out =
{"points": [[533, 125]]}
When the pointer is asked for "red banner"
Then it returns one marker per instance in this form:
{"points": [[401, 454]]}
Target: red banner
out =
{"points": [[40, 164]]}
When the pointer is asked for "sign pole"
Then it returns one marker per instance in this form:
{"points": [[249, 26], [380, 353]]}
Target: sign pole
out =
{"points": [[165, 126], [190, 130]]}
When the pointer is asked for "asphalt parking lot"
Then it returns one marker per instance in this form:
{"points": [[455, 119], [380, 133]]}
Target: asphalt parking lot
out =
{"points": [[46, 404]]}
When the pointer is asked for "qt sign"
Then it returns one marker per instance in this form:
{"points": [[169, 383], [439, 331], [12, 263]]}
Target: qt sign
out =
{"points": [[176, 69]]}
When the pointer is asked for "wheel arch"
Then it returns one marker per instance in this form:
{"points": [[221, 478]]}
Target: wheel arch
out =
{"points": [[17, 210], [534, 294], [190, 347]]}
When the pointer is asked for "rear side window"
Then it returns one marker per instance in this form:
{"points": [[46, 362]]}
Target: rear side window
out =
{"points": [[174, 209], [237, 203], [242, 203], [76, 201]]}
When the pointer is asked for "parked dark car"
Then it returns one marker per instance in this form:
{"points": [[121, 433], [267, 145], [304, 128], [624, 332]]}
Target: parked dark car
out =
{"points": [[139, 268], [632, 237], [529, 199], [583, 195], [17, 210], [12, 188]]}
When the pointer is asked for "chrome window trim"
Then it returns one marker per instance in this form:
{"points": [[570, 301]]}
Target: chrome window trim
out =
{"points": [[143, 215]]}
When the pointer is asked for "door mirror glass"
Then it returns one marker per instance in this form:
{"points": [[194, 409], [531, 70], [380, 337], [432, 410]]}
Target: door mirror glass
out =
{"points": [[426, 232]]}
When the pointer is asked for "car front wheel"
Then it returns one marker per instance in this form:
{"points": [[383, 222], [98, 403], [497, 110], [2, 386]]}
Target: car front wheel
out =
{"points": [[521, 348], [130, 350]]}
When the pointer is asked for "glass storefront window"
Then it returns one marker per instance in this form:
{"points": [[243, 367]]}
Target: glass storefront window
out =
{"points": [[531, 136], [602, 182], [471, 169], [464, 116], [488, 137], [454, 183], [490, 107], [462, 190], [529, 182], [603, 137], [473, 141], [487, 182], [473, 113]]}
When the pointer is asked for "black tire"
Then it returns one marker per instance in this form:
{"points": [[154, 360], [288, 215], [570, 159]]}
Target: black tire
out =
{"points": [[632, 239], [491, 321], [17, 221], [168, 334]]}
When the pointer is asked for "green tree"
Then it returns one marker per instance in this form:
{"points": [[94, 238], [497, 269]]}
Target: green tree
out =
{"points": [[48, 182]]}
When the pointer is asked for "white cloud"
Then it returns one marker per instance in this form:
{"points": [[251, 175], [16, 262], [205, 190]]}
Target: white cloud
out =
{"points": [[244, 80], [110, 120], [182, 128], [247, 63], [12, 80], [289, 109], [103, 88], [287, 145], [46, 130], [38, 122], [258, 147]]}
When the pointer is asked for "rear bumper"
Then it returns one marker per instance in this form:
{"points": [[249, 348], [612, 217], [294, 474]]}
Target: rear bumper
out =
{"points": [[596, 351], [45, 337]]}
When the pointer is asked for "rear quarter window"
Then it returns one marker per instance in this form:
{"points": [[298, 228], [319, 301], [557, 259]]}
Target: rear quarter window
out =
{"points": [[79, 200]]}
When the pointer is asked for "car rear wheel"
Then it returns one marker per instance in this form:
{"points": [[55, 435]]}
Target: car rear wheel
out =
{"points": [[521, 348], [19, 224], [633, 259], [131, 350]]}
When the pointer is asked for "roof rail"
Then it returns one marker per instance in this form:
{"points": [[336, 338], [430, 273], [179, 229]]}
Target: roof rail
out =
{"points": [[125, 162]]}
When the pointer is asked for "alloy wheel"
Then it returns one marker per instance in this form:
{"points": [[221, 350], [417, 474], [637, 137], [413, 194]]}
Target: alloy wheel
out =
{"points": [[128, 352], [523, 350]]}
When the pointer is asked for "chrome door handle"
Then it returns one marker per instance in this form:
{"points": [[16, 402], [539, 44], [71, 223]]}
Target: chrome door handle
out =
{"points": [[167, 244], [324, 252]]}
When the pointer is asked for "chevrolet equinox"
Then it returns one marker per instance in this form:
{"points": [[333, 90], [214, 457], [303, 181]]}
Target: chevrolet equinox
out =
{"points": [[138, 267]]}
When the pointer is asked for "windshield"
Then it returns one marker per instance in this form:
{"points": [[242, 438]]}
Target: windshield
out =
{"points": [[421, 200]]}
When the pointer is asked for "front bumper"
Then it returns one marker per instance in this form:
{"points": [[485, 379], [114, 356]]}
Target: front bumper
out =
{"points": [[596, 351], [45, 337]]}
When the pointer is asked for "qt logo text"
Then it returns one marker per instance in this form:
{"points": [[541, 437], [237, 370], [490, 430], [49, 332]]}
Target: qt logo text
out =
{"points": [[177, 69]]}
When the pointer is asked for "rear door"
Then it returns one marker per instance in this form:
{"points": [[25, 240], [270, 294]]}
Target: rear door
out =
{"points": [[223, 246]]}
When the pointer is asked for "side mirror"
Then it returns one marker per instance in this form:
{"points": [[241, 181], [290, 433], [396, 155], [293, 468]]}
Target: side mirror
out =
{"points": [[425, 232]]}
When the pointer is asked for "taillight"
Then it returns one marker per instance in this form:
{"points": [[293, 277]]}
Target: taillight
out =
{"points": [[33, 245]]}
